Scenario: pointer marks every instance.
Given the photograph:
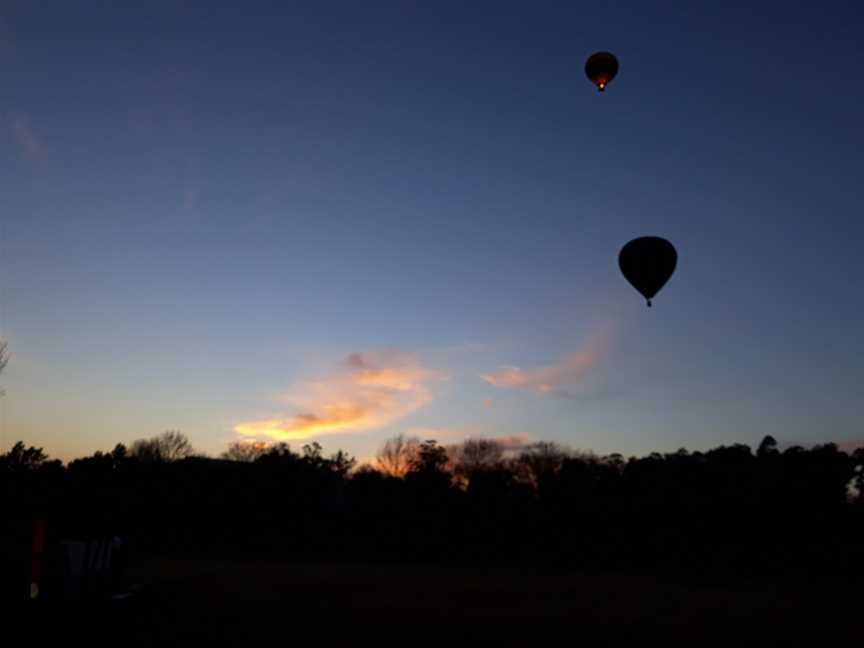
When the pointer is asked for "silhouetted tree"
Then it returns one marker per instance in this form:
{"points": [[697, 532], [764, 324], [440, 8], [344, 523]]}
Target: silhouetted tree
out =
{"points": [[767, 447], [119, 453], [22, 458], [856, 483], [312, 452], [428, 468], [725, 510], [171, 445], [430, 458], [539, 462], [341, 463], [246, 451], [278, 453], [475, 455], [396, 454]]}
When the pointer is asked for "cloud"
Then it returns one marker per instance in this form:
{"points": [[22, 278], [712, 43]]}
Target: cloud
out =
{"points": [[25, 137], [371, 390], [570, 370]]}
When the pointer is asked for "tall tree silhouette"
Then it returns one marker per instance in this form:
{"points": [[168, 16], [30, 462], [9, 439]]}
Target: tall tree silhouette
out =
{"points": [[171, 445], [247, 451], [475, 456], [396, 455]]}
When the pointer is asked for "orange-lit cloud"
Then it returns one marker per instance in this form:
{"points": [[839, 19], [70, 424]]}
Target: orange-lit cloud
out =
{"points": [[571, 370], [370, 391]]}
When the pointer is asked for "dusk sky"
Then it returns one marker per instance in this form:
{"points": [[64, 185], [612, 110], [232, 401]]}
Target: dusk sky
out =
{"points": [[338, 221]]}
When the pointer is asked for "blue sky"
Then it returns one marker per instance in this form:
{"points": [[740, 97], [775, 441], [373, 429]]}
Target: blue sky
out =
{"points": [[208, 207]]}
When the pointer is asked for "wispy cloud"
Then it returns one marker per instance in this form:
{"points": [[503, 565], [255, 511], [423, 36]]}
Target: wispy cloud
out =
{"points": [[25, 138], [371, 390], [571, 370]]}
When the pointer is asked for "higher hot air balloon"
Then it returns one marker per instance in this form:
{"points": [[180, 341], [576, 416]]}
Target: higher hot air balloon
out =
{"points": [[647, 263], [601, 68]]}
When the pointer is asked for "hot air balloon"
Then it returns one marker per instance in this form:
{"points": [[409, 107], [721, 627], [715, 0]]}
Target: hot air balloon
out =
{"points": [[601, 68], [647, 263]]}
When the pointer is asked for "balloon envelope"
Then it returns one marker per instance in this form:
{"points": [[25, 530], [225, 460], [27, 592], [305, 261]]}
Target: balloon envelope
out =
{"points": [[601, 68], [647, 263]]}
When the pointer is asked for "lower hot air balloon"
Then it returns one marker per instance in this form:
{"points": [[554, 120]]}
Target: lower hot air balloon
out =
{"points": [[601, 68], [647, 263]]}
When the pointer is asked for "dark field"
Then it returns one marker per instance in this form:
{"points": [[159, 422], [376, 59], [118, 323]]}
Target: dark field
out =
{"points": [[217, 603]]}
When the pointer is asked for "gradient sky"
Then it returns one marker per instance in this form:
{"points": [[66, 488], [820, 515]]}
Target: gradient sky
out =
{"points": [[207, 208]]}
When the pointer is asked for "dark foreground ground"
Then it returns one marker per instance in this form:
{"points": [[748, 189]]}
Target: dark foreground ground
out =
{"points": [[211, 603]]}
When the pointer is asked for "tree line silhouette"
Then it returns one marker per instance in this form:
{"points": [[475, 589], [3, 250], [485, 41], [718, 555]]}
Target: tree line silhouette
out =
{"points": [[727, 511]]}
